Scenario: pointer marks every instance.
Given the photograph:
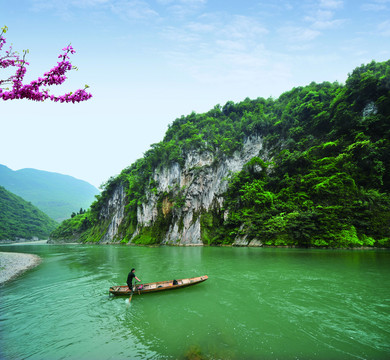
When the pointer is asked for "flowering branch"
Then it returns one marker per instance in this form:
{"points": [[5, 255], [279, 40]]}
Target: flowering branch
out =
{"points": [[32, 91]]}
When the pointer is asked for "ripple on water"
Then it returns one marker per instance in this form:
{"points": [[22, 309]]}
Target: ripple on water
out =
{"points": [[317, 305]]}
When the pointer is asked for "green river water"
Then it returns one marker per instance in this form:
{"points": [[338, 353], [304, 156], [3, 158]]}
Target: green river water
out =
{"points": [[257, 304]]}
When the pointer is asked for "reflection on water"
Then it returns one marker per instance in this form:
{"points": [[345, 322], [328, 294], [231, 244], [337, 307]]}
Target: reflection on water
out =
{"points": [[257, 303]]}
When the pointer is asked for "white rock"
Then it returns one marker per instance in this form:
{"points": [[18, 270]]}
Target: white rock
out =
{"points": [[202, 184]]}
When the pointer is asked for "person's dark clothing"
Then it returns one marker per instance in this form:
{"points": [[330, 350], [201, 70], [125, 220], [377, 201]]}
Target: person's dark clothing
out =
{"points": [[130, 278]]}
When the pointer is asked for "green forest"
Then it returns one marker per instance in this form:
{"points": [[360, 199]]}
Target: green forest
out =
{"points": [[21, 219], [322, 178]]}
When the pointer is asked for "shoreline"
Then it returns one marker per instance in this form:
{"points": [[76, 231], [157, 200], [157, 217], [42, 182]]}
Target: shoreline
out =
{"points": [[23, 242], [13, 265], [64, 242]]}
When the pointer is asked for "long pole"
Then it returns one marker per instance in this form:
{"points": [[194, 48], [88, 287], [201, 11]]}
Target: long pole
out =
{"points": [[131, 293]]}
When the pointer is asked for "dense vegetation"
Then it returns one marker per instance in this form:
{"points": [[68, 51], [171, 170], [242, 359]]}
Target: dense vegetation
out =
{"points": [[55, 194], [322, 179], [21, 219], [329, 185]]}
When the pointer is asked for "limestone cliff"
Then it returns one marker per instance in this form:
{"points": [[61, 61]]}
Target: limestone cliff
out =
{"points": [[112, 213], [180, 196]]}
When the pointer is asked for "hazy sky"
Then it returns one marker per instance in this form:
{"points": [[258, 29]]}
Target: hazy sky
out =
{"points": [[148, 62]]}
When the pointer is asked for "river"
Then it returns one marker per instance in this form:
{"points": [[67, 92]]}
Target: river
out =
{"points": [[258, 303]]}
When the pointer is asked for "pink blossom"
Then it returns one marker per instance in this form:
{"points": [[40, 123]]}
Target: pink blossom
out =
{"points": [[31, 91]]}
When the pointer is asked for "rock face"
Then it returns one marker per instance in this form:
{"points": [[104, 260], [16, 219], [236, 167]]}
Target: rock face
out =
{"points": [[198, 185], [113, 212]]}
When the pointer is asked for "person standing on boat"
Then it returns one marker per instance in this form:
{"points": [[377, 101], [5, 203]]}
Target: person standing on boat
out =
{"points": [[130, 278]]}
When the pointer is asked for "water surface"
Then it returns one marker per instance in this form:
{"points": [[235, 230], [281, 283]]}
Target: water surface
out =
{"points": [[257, 304]]}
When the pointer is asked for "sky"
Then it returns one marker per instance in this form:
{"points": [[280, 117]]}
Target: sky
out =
{"points": [[148, 62]]}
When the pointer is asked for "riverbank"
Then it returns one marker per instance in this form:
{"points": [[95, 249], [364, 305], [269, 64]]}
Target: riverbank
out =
{"points": [[15, 264], [23, 242], [234, 245]]}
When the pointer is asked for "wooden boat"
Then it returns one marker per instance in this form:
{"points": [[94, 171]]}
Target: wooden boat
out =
{"points": [[156, 286]]}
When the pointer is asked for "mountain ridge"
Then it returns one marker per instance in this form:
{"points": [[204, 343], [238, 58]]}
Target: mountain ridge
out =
{"points": [[57, 195]]}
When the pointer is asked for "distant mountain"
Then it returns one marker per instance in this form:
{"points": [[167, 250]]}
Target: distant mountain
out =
{"points": [[21, 219], [55, 194]]}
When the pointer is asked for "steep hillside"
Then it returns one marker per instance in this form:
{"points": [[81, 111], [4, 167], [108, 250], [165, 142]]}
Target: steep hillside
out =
{"points": [[310, 168], [55, 194], [20, 219]]}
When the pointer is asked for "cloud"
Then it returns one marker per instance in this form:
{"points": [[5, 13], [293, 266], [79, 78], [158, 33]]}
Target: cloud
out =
{"points": [[89, 3], [231, 46], [376, 5], [331, 4], [133, 9], [319, 24], [384, 28], [165, 2], [180, 36], [323, 19], [218, 48], [298, 34], [62, 5], [193, 2], [126, 9], [322, 16], [198, 27], [243, 27], [183, 8], [185, 2], [210, 29]]}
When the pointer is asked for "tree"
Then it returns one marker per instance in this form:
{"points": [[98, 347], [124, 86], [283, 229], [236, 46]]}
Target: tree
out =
{"points": [[33, 90]]}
